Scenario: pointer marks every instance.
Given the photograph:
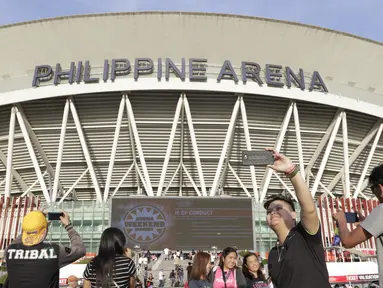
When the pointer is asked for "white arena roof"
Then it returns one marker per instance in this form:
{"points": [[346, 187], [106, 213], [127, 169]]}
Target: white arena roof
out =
{"points": [[331, 127]]}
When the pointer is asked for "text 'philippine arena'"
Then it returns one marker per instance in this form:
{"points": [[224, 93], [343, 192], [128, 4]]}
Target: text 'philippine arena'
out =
{"points": [[155, 105]]}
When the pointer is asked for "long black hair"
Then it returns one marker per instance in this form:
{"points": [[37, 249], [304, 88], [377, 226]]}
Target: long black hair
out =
{"points": [[226, 252], [247, 273], [111, 245]]}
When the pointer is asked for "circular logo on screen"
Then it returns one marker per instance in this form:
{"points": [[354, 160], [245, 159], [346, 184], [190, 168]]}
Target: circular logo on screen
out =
{"points": [[144, 224]]}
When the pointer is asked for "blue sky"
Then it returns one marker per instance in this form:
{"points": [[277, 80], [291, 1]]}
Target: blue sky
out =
{"points": [[362, 17]]}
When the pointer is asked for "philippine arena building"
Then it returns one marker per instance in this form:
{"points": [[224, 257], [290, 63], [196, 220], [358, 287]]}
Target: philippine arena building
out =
{"points": [[156, 104]]}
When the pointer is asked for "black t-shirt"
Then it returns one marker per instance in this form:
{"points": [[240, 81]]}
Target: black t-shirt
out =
{"points": [[33, 266], [256, 283], [300, 261]]}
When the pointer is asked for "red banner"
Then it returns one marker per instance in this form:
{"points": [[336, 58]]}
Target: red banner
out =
{"points": [[354, 278]]}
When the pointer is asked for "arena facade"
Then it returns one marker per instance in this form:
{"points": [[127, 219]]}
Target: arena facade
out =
{"points": [[163, 104]]}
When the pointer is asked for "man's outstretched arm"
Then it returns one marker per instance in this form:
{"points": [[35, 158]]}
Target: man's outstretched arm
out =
{"points": [[309, 216], [351, 238], [371, 226], [77, 249]]}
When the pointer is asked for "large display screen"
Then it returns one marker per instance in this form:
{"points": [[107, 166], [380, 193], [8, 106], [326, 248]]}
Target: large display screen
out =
{"points": [[184, 223]]}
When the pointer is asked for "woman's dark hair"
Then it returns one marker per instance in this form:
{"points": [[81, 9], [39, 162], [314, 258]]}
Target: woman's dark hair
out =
{"points": [[226, 252], [246, 271], [111, 245], [201, 259]]}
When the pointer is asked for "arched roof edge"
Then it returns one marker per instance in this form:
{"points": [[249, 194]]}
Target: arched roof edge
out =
{"points": [[111, 14]]}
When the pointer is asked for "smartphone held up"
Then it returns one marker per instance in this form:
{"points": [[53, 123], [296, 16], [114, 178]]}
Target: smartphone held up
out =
{"points": [[351, 217], [54, 216], [257, 158]]}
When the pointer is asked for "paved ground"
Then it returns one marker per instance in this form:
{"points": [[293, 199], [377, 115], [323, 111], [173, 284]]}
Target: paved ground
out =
{"points": [[167, 266]]}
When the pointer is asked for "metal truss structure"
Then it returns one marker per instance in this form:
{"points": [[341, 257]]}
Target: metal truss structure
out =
{"points": [[185, 144], [13, 210]]}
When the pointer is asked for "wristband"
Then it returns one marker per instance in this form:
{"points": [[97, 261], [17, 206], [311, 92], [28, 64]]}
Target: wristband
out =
{"points": [[288, 171], [66, 226], [293, 173]]}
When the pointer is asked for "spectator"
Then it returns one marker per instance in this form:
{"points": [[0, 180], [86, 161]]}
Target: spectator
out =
{"points": [[212, 257], [172, 278], [298, 259], [111, 266], [149, 256], [372, 226], [166, 253], [146, 277], [150, 282], [252, 270], [189, 269], [227, 274], [201, 268], [30, 260], [161, 278], [177, 263], [140, 263], [73, 282], [180, 274], [145, 261]]}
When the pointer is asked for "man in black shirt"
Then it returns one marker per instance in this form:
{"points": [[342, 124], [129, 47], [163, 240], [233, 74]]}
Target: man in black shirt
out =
{"points": [[34, 263], [172, 278], [298, 259], [189, 268]]}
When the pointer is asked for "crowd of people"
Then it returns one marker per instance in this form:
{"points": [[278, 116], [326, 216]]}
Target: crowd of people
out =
{"points": [[203, 270], [227, 273], [296, 260]]}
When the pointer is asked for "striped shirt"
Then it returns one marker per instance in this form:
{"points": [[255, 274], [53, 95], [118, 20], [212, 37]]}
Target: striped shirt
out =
{"points": [[124, 268]]}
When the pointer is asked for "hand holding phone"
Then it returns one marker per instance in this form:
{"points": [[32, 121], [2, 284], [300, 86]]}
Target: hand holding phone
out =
{"points": [[54, 216], [257, 158], [61, 216], [351, 217], [361, 216]]}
